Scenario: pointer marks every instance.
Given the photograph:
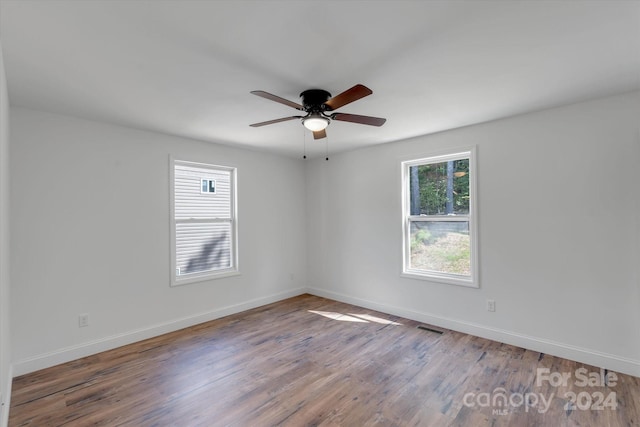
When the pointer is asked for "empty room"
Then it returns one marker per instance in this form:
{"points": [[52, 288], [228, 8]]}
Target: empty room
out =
{"points": [[319, 213]]}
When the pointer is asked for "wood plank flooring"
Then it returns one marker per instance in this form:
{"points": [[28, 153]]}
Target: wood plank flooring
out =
{"points": [[309, 361]]}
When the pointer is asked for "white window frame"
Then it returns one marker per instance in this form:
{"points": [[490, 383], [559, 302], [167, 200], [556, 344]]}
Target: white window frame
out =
{"points": [[472, 217], [233, 270]]}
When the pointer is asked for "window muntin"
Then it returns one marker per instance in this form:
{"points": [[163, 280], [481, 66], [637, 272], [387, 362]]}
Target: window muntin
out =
{"points": [[439, 221], [204, 225]]}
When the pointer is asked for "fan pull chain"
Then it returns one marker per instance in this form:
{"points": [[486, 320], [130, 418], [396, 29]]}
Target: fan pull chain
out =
{"points": [[327, 147], [304, 143]]}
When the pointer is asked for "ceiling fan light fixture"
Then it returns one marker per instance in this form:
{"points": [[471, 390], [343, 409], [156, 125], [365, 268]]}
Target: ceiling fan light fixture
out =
{"points": [[315, 122]]}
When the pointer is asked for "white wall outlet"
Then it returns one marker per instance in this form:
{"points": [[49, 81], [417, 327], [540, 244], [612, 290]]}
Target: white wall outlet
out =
{"points": [[83, 320], [491, 305]]}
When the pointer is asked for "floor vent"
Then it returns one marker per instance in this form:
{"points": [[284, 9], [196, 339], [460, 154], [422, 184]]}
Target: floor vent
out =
{"points": [[426, 328]]}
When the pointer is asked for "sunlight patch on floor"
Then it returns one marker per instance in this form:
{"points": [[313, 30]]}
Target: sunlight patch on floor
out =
{"points": [[361, 318], [376, 319], [338, 316]]}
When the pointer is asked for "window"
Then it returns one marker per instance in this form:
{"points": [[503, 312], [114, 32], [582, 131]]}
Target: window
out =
{"points": [[439, 232], [204, 226], [208, 186]]}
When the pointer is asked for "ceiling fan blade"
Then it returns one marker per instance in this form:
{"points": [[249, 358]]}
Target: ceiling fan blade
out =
{"points": [[355, 118], [319, 134], [348, 96], [270, 122], [275, 98]]}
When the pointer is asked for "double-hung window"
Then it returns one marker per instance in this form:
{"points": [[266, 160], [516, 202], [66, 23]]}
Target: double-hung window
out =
{"points": [[203, 222], [439, 218]]}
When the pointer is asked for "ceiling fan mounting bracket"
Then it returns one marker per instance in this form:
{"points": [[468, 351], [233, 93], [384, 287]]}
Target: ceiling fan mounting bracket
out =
{"points": [[314, 99]]}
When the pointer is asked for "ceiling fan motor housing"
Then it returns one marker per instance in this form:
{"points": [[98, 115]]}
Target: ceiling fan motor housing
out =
{"points": [[313, 99]]}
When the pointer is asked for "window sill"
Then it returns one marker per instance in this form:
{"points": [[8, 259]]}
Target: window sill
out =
{"points": [[440, 278], [203, 278]]}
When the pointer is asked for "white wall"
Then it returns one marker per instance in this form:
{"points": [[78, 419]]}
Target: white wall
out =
{"points": [[559, 221], [558, 215], [90, 234], [5, 335]]}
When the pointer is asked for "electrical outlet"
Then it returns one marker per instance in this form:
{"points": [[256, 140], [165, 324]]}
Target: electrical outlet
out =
{"points": [[83, 320], [491, 305]]}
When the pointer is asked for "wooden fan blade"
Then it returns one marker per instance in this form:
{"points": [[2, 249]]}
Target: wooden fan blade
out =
{"points": [[319, 134], [275, 98], [270, 122], [355, 118], [348, 96]]}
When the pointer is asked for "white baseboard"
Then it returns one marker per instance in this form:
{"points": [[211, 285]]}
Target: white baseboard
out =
{"points": [[566, 351], [6, 396], [68, 354], [583, 355]]}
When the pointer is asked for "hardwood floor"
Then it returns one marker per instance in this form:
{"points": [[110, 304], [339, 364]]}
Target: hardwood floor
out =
{"points": [[309, 361]]}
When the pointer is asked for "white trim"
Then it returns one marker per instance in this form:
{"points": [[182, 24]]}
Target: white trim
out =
{"points": [[439, 156], [172, 221], [200, 164], [580, 354], [7, 398], [469, 152], [186, 279], [68, 354], [434, 276], [442, 218], [205, 220]]}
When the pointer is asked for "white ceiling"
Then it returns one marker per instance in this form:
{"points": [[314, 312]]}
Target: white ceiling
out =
{"points": [[186, 67]]}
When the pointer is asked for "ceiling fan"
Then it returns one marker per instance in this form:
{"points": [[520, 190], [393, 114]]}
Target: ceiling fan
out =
{"points": [[317, 104]]}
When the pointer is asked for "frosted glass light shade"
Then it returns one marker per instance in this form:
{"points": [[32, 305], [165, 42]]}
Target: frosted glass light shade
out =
{"points": [[315, 122]]}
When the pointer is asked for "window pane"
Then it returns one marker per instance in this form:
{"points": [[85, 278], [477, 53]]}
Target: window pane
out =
{"points": [[440, 188], [441, 246], [196, 196], [202, 247]]}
